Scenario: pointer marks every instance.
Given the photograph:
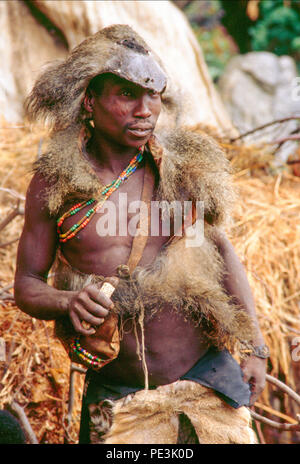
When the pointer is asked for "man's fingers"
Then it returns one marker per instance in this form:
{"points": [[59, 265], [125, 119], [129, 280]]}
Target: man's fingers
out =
{"points": [[93, 307], [84, 317], [93, 319], [77, 324], [99, 297]]}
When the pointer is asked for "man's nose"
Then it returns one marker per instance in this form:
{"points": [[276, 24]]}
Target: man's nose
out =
{"points": [[142, 107]]}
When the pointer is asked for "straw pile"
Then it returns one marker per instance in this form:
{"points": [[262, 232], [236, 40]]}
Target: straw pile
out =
{"points": [[266, 236], [36, 371]]}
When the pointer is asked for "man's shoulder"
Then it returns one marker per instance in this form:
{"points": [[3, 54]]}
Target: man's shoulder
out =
{"points": [[37, 192]]}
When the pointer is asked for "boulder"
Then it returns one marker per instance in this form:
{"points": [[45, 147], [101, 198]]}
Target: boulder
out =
{"points": [[258, 88], [35, 32]]}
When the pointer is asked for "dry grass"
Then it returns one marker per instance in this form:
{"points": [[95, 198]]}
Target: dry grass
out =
{"points": [[266, 236]]}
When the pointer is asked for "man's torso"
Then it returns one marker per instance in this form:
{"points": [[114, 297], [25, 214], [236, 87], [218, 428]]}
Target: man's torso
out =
{"points": [[172, 344]]}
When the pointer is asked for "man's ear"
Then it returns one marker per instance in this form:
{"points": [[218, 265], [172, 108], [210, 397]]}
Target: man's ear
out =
{"points": [[88, 102]]}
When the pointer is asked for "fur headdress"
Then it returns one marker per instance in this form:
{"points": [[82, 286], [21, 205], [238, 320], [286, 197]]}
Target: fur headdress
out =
{"points": [[58, 93]]}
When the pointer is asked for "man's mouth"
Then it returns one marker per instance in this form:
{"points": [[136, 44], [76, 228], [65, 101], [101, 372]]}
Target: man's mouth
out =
{"points": [[140, 131]]}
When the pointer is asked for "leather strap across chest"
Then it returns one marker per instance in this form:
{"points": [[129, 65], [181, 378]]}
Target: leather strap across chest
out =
{"points": [[140, 240]]}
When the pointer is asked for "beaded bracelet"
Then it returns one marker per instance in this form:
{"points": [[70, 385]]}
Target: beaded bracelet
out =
{"points": [[87, 357]]}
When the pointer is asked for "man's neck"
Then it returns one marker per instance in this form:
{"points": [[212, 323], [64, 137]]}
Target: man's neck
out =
{"points": [[108, 155]]}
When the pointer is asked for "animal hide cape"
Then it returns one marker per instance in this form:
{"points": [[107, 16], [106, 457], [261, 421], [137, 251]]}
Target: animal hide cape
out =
{"points": [[191, 167]]}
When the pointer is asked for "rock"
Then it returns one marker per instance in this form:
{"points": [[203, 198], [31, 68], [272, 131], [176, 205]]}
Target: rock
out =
{"points": [[29, 39], [257, 88]]}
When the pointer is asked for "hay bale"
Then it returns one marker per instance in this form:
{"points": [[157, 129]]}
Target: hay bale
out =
{"points": [[266, 236]]}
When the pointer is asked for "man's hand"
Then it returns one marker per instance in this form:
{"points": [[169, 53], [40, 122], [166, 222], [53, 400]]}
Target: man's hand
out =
{"points": [[254, 370], [90, 305]]}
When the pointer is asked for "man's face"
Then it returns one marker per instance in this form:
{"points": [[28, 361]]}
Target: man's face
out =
{"points": [[125, 113]]}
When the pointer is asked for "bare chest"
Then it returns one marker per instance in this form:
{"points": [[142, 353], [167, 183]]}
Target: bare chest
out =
{"points": [[106, 240]]}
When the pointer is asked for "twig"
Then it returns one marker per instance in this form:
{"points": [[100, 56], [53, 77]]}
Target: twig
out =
{"points": [[272, 411], [3, 245], [7, 287], [285, 139], [291, 329], [9, 218], [16, 317], [24, 422], [71, 397], [279, 425], [79, 369], [259, 433], [283, 387], [73, 369], [48, 341], [6, 296], [277, 121], [15, 212], [2, 350], [13, 193], [276, 425], [293, 162]]}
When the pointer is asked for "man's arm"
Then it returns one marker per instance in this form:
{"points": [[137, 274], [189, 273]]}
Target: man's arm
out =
{"points": [[236, 284], [36, 253]]}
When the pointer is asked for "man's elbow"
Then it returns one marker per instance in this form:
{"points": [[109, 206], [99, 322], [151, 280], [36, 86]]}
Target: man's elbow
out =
{"points": [[20, 294], [24, 293]]}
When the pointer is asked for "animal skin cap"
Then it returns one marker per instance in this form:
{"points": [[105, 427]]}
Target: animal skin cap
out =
{"points": [[58, 93]]}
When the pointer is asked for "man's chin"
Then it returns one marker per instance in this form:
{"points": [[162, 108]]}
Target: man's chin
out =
{"points": [[138, 141]]}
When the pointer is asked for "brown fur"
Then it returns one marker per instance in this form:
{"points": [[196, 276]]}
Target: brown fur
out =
{"points": [[188, 279], [151, 416], [57, 95], [192, 166]]}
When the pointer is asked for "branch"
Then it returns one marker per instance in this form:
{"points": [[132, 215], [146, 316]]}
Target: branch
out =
{"points": [[15, 212], [6, 297], [277, 121], [285, 139], [10, 242], [279, 425], [293, 162], [13, 193], [7, 287], [276, 425], [283, 387], [24, 422], [48, 341], [73, 368]]}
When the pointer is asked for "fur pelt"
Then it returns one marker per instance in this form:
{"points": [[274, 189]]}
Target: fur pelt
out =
{"points": [[151, 416], [192, 167], [187, 279], [190, 281], [57, 95]]}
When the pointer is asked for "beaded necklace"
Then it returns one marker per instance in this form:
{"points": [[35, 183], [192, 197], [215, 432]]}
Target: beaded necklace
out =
{"points": [[106, 192]]}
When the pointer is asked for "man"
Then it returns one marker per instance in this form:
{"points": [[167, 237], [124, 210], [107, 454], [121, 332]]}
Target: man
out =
{"points": [[179, 306]]}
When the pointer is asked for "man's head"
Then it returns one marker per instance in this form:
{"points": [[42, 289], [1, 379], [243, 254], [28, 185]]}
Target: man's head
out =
{"points": [[122, 110], [59, 92]]}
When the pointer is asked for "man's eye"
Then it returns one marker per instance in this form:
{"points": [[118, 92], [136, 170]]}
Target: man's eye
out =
{"points": [[127, 93]]}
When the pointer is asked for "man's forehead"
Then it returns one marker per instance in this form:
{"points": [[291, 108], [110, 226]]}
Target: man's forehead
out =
{"points": [[108, 80], [139, 68]]}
